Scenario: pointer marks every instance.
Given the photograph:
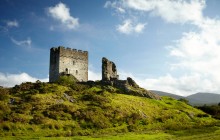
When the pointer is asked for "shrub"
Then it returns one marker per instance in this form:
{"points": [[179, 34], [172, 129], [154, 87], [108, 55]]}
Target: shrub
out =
{"points": [[15, 117], [24, 108], [4, 94], [4, 111], [57, 126], [213, 110], [33, 91], [6, 126], [86, 124], [67, 80], [37, 119], [23, 87], [184, 100], [69, 127], [57, 115], [202, 115]]}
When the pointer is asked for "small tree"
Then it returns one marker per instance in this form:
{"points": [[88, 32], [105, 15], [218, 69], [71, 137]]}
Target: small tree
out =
{"points": [[67, 80], [184, 100]]}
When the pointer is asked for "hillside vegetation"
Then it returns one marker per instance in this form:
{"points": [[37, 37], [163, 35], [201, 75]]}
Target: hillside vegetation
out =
{"points": [[67, 108], [213, 110]]}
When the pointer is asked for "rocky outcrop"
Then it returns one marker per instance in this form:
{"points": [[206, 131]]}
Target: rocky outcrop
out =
{"points": [[141, 92]]}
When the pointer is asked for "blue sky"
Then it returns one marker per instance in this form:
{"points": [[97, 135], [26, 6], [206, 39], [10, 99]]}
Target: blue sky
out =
{"points": [[167, 45]]}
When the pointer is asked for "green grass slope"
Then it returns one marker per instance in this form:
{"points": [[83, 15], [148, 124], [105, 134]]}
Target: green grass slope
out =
{"points": [[68, 109]]}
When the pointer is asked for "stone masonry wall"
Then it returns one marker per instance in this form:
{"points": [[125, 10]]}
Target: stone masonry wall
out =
{"points": [[68, 61], [54, 64], [109, 70]]}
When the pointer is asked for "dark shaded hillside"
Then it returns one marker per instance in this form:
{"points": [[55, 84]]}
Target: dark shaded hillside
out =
{"points": [[68, 108], [213, 110]]}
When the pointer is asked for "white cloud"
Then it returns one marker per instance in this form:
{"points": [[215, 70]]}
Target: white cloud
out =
{"points": [[178, 11], [10, 80], [128, 27], [115, 5], [125, 28], [94, 75], [13, 23], [173, 11], [23, 43], [197, 53], [183, 85], [61, 13], [139, 27]]}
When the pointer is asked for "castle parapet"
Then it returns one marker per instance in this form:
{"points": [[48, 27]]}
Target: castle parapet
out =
{"points": [[85, 52], [70, 50]]}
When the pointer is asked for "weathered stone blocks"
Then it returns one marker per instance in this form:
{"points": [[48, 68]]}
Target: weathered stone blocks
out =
{"points": [[68, 61], [109, 70]]}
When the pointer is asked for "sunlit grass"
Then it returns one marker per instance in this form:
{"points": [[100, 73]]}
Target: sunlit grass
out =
{"points": [[43, 110]]}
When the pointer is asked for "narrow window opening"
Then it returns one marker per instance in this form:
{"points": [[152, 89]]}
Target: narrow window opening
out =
{"points": [[76, 72]]}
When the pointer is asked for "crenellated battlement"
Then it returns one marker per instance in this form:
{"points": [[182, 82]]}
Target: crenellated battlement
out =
{"points": [[63, 49]]}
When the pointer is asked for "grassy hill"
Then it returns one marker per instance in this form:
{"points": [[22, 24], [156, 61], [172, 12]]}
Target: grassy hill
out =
{"points": [[161, 93], [67, 108]]}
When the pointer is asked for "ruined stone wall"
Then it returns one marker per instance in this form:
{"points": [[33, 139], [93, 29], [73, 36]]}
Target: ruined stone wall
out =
{"points": [[54, 64], [68, 61], [109, 70]]}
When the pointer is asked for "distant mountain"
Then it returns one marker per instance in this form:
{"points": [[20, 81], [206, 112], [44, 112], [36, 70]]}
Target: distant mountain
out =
{"points": [[194, 99], [161, 93], [204, 98]]}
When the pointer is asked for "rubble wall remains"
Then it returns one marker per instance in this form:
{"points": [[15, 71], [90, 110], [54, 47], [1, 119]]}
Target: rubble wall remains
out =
{"points": [[109, 70]]}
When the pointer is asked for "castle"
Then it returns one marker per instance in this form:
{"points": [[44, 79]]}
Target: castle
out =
{"points": [[67, 61]]}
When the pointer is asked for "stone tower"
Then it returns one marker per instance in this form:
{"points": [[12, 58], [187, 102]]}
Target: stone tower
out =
{"points": [[68, 61]]}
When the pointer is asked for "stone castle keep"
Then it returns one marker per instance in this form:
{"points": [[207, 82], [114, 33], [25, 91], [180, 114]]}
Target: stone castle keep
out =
{"points": [[68, 61]]}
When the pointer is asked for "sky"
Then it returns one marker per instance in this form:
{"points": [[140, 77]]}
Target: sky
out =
{"points": [[167, 45]]}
